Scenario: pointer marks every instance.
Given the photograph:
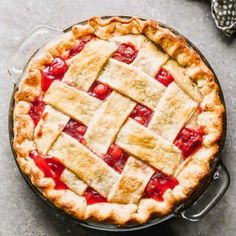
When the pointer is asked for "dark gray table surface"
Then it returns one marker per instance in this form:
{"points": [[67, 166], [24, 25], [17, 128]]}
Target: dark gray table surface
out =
{"points": [[21, 212]]}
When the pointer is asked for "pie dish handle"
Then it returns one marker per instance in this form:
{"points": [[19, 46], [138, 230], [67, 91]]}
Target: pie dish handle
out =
{"points": [[28, 47], [210, 197]]}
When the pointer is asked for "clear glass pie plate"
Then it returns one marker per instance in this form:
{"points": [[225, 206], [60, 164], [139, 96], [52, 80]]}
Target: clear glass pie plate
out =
{"points": [[201, 202]]}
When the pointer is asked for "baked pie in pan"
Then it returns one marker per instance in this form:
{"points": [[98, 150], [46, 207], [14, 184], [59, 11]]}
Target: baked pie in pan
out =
{"points": [[117, 120]]}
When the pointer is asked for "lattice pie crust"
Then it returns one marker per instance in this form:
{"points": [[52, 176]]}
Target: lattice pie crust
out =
{"points": [[191, 100]]}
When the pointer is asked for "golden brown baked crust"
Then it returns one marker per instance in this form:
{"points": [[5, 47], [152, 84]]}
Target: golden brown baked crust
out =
{"points": [[189, 173]]}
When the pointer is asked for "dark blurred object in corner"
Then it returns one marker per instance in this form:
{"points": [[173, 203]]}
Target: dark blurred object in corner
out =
{"points": [[224, 14]]}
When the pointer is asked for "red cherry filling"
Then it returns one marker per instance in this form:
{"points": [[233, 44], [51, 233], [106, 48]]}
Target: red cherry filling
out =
{"points": [[115, 158], [55, 71], [115, 151], [158, 184], [93, 197], [51, 167], [100, 91], [199, 109], [189, 140], [141, 114], [79, 47], [164, 77], [75, 129], [36, 110], [125, 53]]}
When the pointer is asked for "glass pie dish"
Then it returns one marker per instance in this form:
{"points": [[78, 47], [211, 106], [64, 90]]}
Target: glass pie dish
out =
{"points": [[202, 200]]}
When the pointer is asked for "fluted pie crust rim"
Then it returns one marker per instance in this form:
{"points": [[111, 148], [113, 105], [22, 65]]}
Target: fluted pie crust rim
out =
{"points": [[190, 173]]}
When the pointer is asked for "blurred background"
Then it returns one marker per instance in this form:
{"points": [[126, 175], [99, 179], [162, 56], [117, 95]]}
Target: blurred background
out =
{"points": [[21, 212]]}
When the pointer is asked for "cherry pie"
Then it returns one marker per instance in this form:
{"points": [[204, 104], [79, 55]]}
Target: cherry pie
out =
{"points": [[117, 121]]}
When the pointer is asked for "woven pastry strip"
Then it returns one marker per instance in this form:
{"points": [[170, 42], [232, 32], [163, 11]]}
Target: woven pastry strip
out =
{"points": [[132, 182], [132, 82], [84, 164], [49, 128], [173, 111], [150, 59], [71, 101], [87, 64], [107, 122], [149, 147]]}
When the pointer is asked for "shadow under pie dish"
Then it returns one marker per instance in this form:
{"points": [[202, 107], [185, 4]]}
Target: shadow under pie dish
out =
{"points": [[118, 120]]}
